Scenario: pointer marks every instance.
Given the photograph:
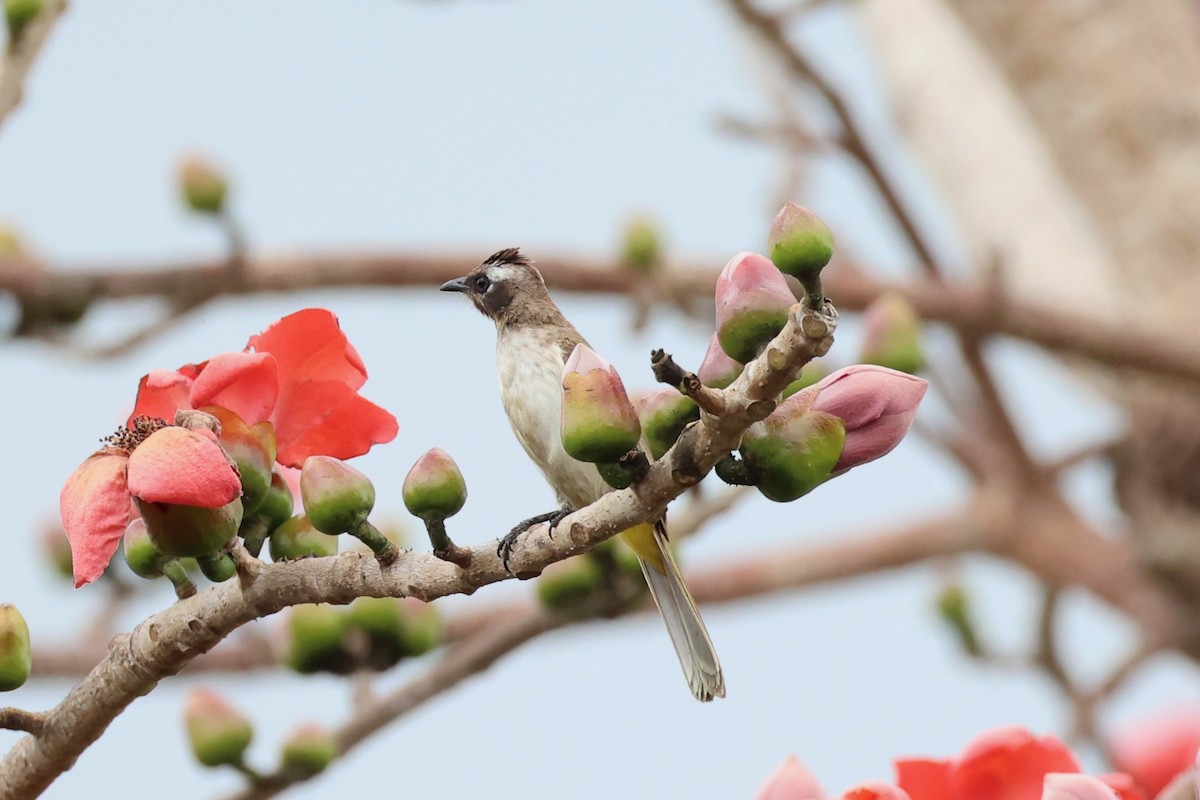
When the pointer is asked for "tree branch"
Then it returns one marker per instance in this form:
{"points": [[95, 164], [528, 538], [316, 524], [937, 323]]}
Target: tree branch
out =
{"points": [[21, 54]]}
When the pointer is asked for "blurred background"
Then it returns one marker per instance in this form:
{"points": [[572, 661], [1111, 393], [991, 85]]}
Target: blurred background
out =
{"points": [[948, 143]]}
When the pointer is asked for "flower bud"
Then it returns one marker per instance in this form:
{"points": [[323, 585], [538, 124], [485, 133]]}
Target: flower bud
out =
{"points": [[381, 621], [434, 489], [810, 374], [308, 751], [316, 640], [791, 781], [664, 414], [567, 586], [178, 530], [599, 424], [18, 14], [801, 243], [57, 549], [954, 607], [217, 567], [717, 369], [203, 187], [1068, 786], [252, 448], [140, 553], [892, 334], [16, 657], [752, 305], [337, 497], [276, 508], [641, 249], [423, 626], [876, 404], [794, 450], [297, 538], [218, 732]]}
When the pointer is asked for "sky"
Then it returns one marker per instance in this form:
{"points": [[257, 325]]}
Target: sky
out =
{"points": [[469, 126]]}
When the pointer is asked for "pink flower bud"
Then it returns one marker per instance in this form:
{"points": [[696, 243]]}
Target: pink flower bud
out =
{"points": [[664, 414], [599, 424], [337, 497], [434, 488], [1067, 786], [876, 404], [791, 781], [16, 657], [892, 334], [801, 244], [717, 369], [752, 305], [218, 732], [308, 751]]}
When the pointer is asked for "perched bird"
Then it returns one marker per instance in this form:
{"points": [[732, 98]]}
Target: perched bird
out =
{"points": [[533, 343]]}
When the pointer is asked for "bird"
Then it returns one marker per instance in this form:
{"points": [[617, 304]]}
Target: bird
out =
{"points": [[533, 342]]}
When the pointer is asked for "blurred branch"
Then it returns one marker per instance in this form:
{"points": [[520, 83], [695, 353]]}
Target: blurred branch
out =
{"points": [[21, 54], [967, 309]]}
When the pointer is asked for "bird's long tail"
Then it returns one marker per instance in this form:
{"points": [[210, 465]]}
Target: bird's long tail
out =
{"points": [[688, 634]]}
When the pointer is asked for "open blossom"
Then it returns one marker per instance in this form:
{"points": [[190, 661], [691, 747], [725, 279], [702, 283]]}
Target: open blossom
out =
{"points": [[876, 404], [168, 465], [1156, 749], [1001, 764], [301, 374]]}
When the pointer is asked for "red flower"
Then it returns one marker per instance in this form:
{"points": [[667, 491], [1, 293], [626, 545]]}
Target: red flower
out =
{"points": [[1002, 764], [793, 781], [1156, 749], [164, 465], [301, 374]]}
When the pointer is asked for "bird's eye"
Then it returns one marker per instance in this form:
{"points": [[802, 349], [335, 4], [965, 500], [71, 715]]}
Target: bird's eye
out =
{"points": [[482, 283]]}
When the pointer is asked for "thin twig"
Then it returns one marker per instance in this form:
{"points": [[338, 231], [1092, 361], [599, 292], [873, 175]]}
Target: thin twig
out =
{"points": [[18, 719], [20, 55]]}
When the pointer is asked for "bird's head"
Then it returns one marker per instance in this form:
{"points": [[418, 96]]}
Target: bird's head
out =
{"points": [[508, 289]]}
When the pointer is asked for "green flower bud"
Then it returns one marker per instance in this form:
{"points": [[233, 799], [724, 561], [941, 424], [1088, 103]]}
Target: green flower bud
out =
{"points": [[18, 14], [57, 550], [203, 187], [337, 497], [16, 657], [892, 334], [423, 626], [218, 732], [794, 450], [801, 243], [753, 301], [642, 250], [599, 424], [252, 448], [217, 567], [297, 538], [316, 640], [179, 530], [276, 508], [382, 621], [434, 489], [568, 586], [664, 414], [308, 751], [140, 553]]}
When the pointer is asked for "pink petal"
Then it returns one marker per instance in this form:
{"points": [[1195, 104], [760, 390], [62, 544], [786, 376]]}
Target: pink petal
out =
{"points": [[183, 467], [1060, 786], [790, 781], [583, 360], [1123, 785], [862, 393], [94, 505], [161, 393], [1157, 748], [245, 383]]}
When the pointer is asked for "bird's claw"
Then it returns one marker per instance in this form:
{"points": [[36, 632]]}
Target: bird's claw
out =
{"points": [[505, 547]]}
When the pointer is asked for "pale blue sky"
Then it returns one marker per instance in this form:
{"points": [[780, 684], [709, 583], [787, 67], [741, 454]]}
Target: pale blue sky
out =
{"points": [[472, 125]]}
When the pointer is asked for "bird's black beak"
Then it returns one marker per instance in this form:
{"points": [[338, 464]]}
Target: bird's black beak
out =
{"points": [[456, 285]]}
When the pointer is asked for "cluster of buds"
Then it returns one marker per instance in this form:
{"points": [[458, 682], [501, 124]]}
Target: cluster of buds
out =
{"points": [[603, 580], [371, 633]]}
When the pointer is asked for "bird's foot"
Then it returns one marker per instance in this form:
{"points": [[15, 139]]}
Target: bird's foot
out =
{"points": [[505, 547]]}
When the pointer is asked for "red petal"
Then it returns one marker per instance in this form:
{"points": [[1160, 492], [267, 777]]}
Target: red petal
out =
{"points": [[310, 346], [1123, 785], [1157, 748], [185, 467], [161, 393], [875, 790], [924, 778], [1009, 764], [245, 383], [329, 419], [94, 505]]}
